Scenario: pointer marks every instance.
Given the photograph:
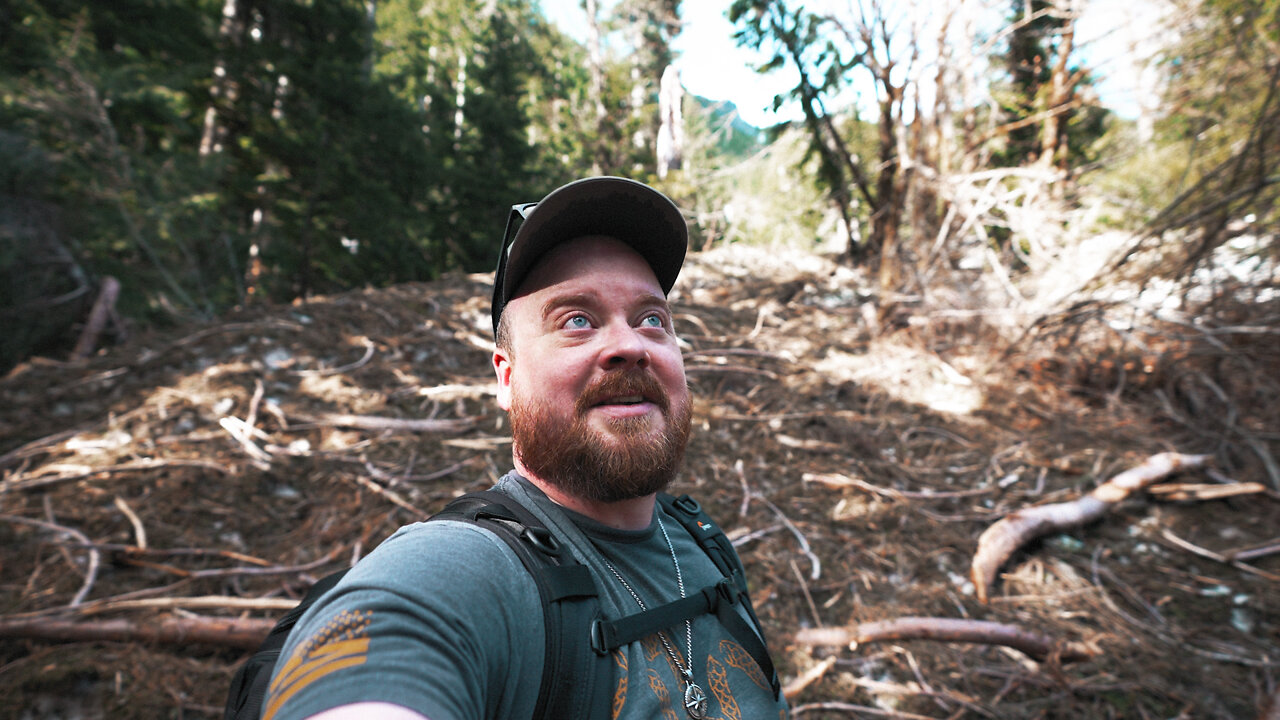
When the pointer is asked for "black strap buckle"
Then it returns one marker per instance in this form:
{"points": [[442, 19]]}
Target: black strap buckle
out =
{"points": [[542, 540], [687, 505], [598, 643]]}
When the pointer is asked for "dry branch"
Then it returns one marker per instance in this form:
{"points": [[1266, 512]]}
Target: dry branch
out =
{"points": [[103, 308], [808, 677], [1035, 645], [374, 422], [245, 633], [1002, 539], [40, 481]]}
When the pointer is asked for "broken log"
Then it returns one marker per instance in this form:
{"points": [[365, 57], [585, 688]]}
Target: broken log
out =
{"points": [[244, 633], [1038, 646], [1016, 529]]}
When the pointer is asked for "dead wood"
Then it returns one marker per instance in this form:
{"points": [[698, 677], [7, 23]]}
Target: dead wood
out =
{"points": [[44, 480], [410, 425], [103, 309], [1011, 532], [246, 633], [808, 677], [1038, 646], [1216, 557], [855, 710], [1205, 491]]}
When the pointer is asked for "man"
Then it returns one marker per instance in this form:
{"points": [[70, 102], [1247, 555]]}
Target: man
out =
{"points": [[442, 621]]}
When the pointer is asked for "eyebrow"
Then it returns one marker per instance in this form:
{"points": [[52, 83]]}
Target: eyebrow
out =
{"points": [[592, 298]]}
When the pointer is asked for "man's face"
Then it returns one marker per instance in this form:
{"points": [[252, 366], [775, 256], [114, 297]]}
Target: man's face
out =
{"points": [[592, 378]]}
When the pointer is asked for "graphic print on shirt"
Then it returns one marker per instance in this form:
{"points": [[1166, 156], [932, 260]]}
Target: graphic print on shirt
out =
{"points": [[620, 692], [718, 679], [737, 656], [343, 642], [664, 698], [653, 651]]}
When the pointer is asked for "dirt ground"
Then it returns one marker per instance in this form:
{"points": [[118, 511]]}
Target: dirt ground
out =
{"points": [[200, 467]]}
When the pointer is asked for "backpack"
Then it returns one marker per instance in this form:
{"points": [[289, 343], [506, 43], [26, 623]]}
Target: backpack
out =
{"points": [[577, 669]]}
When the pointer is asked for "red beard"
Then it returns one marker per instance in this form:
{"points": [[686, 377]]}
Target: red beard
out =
{"points": [[632, 460]]}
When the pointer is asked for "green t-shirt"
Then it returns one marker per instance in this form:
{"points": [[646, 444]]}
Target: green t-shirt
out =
{"points": [[443, 619]]}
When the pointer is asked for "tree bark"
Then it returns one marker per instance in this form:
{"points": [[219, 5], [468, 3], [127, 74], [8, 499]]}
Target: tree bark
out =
{"points": [[245, 633]]}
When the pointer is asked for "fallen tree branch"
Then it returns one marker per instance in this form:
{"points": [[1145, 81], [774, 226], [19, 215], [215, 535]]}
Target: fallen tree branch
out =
{"points": [[1205, 553], [836, 480], [374, 422], [1016, 529], [40, 481], [1037, 646], [245, 633]]}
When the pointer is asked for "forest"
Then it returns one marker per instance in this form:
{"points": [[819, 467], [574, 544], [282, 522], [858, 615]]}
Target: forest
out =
{"points": [[986, 367]]}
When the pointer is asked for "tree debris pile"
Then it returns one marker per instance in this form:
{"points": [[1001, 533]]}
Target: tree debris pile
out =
{"points": [[211, 474]]}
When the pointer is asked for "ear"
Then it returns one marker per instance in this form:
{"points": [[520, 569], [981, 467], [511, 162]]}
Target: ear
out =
{"points": [[502, 368]]}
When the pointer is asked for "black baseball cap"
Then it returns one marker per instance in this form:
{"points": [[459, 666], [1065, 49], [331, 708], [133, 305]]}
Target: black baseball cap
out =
{"points": [[629, 211]]}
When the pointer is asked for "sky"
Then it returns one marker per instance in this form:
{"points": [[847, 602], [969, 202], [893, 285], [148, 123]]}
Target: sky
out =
{"points": [[1111, 35], [710, 64]]}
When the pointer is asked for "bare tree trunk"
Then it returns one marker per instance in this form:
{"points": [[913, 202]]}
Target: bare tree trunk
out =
{"points": [[595, 62], [1053, 151], [670, 145]]}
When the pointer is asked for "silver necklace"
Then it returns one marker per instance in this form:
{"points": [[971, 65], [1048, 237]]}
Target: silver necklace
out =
{"points": [[695, 700]]}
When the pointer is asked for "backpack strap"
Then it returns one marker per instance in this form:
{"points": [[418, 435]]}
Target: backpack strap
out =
{"points": [[570, 603], [718, 547]]}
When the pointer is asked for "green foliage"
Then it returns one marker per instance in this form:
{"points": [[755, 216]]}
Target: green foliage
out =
{"points": [[1033, 48], [174, 138]]}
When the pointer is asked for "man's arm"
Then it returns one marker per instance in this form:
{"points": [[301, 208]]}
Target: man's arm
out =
{"points": [[366, 710], [440, 621]]}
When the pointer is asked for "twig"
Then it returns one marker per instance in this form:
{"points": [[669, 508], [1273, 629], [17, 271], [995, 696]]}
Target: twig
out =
{"points": [[756, 535], [39, 481], [241, 432], [1205, 553], [1270, 547], [808, 677], [838, 480], [251, 419], [815, 564], [368, 354], [91, 572], [804, 588], [855, 709], [373, 422], [392, 496], [1201, 491], [746, 489], [139, 532], [1035, 645], [731, 368]]}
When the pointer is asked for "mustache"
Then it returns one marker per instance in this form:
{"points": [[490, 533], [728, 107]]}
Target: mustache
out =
{"points": [[623, 383]]}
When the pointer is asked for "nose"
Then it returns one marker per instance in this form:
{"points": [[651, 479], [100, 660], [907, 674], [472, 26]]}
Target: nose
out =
{"points": [[624, 348]]}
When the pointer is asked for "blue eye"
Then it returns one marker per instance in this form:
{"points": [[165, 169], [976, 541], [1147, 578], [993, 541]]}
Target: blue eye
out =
{"points": [[577, 322], [652, 321]]}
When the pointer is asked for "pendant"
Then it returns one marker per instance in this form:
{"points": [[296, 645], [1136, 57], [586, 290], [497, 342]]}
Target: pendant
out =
{"points": [[695, 701]]}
